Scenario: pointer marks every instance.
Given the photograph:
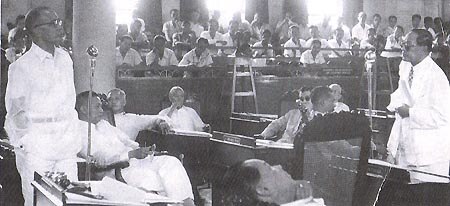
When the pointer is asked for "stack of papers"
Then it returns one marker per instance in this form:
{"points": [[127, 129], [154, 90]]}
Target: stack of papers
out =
{"points": [[272, 144]]}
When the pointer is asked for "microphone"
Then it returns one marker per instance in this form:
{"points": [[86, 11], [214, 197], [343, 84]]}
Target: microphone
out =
{"points": [[92, 51]]}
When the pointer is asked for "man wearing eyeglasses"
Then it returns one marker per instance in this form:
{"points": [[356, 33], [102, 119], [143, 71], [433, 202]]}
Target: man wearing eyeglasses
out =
{"points": [[40, 103], [311, 103], [420, 138]]}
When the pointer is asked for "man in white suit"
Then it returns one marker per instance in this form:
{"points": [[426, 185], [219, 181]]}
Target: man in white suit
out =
{"points": [[420, 135]]}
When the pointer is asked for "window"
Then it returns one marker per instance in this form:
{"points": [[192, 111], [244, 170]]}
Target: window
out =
{"points": [[226, 8], [319, 9], [124, 10]]}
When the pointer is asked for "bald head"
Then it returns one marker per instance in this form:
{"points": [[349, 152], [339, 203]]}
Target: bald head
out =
{"points": [[336, 90], [117, 100], [176, 96]]}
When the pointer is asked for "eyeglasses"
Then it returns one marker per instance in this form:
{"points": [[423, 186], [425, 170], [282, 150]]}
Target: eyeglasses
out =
{"points": [[407, 46], [305, 98], [55, 22]]}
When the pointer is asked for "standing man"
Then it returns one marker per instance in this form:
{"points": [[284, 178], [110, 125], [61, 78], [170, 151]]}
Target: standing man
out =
{"points": [[360, 30], [419, 137], [40, 103]]}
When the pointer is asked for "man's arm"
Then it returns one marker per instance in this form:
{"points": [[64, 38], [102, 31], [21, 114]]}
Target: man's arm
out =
{"points": [[274, 127]]}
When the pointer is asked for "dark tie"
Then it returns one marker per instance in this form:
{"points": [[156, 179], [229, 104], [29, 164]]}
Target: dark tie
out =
{"points": [[410, 77], [303, 121]]}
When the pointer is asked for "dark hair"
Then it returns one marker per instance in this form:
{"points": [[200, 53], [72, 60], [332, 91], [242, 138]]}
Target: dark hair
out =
{"points": [[313, 27], [428, 19], [319, 93], [20, 34], [392, 17], [316, 41], [305, 89], [424, 38], [82, 99], [126, 36], [213, 21], [185, 22], [32, 17], [371, 30], [173, 10], [267, 32], [201, 39], [240, 186], [377, 15], [159, 37], [19, 17], [338, 29], [416, 16], [399, 27]]}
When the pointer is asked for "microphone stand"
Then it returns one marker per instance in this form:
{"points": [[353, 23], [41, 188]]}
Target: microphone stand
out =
{"points": [[92, 52]]}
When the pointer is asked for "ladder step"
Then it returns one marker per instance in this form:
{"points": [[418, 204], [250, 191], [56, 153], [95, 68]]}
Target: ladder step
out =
{"points": [[244, 94], [243, 74]]}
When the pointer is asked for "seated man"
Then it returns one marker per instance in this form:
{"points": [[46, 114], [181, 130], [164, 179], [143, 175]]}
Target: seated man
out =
{"points": [[336, 89], [132, 124], [160, 55], [182, 117], [266, 51], [199, 56], [162, 174], [125, 55], [370, 41], [183, 41], [292, 122], [255, 182], [313, 56]]}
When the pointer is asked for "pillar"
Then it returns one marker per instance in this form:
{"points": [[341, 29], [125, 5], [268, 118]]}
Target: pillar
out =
{"points": [[94, 24]]}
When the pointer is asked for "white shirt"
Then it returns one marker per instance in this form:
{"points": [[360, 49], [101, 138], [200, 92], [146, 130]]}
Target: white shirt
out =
{"points": [[163, 174], [168, 58], [11, 55], [340, 106], [169, 28], [41, 85], [265, 52], [132, 57], [360, 33], [332, 43], [290, 52], [289, 123], [217, 37], [229, 40], [189, 58], [392, 43], [307, 58], [431, 30], [197, 29], [184, 118], [132, 124], [422, 138]]}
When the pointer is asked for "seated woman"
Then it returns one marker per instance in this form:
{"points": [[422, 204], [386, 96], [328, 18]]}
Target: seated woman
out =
{"points": [[255, 182]]}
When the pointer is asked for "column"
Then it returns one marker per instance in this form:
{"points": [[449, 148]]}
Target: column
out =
{"points": [[94, 24]]}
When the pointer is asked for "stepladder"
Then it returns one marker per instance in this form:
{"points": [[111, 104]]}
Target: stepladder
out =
{"points": [[242, 73]]}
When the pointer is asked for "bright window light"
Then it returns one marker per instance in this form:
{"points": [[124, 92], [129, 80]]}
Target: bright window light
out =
{"points": [[226, 8], [124, 10], [318, 9]]}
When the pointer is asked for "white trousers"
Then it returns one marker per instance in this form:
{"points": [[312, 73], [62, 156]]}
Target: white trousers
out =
{"points": [[163, 174], [439, 168], [28, 164]]}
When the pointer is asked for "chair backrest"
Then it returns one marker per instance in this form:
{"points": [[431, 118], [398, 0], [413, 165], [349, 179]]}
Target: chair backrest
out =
{"points": [[332, 153]]}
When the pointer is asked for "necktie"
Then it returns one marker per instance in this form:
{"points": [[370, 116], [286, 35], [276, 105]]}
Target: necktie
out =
{"points": [[410, 77], [303, 121]]}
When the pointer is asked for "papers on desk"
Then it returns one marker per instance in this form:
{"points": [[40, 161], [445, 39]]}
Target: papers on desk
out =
{"points": [[385, 164], [191, 133], [118, 193], [272, 144], [307, 202]]}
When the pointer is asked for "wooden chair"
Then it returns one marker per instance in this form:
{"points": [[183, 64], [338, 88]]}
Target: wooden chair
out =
{"points": [[325, 155]]}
